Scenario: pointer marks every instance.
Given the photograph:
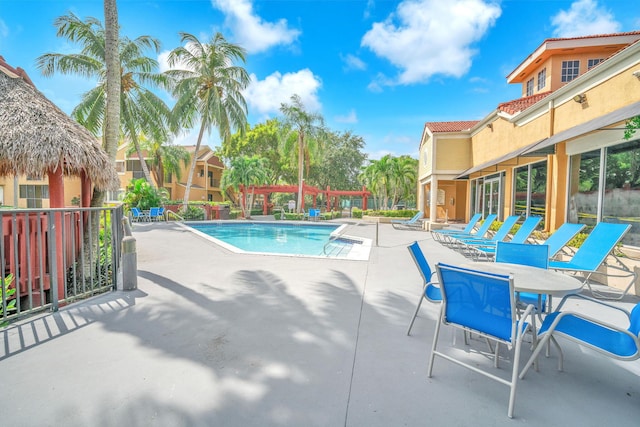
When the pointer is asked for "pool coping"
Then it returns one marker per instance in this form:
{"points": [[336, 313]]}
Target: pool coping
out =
{"points": [[359, 251]]}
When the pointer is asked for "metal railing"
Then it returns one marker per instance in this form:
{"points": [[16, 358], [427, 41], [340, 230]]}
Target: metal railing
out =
{"points": [[50, 257]]}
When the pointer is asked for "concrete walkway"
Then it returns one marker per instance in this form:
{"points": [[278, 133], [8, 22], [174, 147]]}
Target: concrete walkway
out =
{"points": [[212, 338]]}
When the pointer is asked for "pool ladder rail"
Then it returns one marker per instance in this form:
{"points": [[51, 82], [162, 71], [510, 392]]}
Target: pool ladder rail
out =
{"points": [[335, 248]]}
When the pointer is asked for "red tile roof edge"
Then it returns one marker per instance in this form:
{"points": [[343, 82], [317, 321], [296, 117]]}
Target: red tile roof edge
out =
{"points": [[456, 126], [521, 104], [593, 36], [17, 71]]}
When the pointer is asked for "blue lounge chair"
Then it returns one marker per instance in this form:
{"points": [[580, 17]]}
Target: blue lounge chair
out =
{"points": [[413, 223], [608, 339], [484, 303], [430, 291], [521, 236], [466, 244], [561, 237], [594, 252], [450, 238], [438, 235]]}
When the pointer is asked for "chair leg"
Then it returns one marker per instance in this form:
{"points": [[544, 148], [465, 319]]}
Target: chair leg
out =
{"points": [[415, 314], [435, 344]]}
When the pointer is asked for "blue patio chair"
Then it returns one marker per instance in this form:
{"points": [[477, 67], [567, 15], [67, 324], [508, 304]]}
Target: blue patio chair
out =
{"points": [[450, 238], [466, 244], [593, 253], [430, 291], [438, 235], [413, 223], [523, 254], [314, 214], [608, 339], [137, 215], [521, 236], [561, 237], [483, 303], [154, 214]]}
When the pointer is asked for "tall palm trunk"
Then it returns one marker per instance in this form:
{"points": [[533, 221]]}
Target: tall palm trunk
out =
{"points": [[301, 149], [143, 162], [192, 169]]}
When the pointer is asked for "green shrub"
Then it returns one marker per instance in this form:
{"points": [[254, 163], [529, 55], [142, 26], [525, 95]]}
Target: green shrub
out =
{"points": [[404, 213], [356, 213], [235, 213], [192, 213]]}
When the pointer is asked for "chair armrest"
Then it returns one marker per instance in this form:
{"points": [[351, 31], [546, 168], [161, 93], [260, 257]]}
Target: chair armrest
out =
{"points": [[594, 300]]}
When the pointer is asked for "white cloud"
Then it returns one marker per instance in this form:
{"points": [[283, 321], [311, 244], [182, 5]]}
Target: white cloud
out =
{"points": [[427, 37], [351, 117], [352, 62], [584, 17], [4, 30], [265, 96], [250, 30]]}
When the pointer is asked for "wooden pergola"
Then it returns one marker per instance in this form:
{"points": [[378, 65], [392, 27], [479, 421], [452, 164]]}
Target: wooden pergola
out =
{"points": [[332, 196]]}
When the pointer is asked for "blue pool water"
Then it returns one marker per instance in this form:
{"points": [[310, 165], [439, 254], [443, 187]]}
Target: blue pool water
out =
{"points": [[277, 238]]}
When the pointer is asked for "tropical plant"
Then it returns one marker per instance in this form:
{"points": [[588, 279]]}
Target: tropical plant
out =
{"points": [[7, 293], [141, 194], [209, 89], [163, 158], [245, 172], [306, 132], [339, 162], [140, 109], [391, 179]]}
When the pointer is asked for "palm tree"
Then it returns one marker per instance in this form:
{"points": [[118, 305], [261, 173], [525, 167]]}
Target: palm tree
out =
{"points": [[140, 109], [404, 173], [163, 158], [209, 89], [309, 129], [245, 171], [113, 82]]}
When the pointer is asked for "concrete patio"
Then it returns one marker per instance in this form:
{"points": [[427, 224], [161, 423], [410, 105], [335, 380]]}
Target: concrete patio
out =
{"points": [[212, 338]]}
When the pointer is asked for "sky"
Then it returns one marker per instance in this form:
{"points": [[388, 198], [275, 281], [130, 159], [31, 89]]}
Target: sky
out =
{"points": [[377, 68]]}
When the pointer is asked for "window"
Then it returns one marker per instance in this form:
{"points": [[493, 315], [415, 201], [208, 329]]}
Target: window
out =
{"points": [[542, 79], [593, 62], [120, 166], [530, 189], [530, 87], [605, 186], [570, 70], [34, 194]]}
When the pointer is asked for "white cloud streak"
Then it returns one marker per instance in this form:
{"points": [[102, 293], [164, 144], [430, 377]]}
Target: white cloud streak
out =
{"points": [[351, 117], [265, 96], [427, 37], [352, 62], [584, 17], [250, 30]]}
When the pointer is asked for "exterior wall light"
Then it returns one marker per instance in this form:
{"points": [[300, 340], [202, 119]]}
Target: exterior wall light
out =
{"points": [[580, 98]]}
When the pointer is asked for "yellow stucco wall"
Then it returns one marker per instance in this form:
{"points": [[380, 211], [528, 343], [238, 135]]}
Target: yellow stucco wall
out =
{"points": [[608, 96], [453, 154]]}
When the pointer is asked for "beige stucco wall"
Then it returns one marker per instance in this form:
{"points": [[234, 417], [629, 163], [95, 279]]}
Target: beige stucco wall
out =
{"points": [[617, 92], [453, 154]]}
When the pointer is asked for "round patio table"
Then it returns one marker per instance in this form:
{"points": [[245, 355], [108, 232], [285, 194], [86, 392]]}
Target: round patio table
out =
{"points": [[532, 279]]}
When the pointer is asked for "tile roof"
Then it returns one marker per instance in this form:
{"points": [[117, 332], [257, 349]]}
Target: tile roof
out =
{"points": [[14, 72], [521, 104], [594, 36], [457, 126]]}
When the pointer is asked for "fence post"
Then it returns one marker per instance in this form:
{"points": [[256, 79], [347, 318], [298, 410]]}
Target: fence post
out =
{"points": [[129, 259]]}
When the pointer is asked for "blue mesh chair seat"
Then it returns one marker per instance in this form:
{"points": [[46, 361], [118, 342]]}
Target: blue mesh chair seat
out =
{"points": [[483, 303], [523, 254], [413, 223], [521, 236], [430, 291], [452, 238], [608, 339], [439, 235]]}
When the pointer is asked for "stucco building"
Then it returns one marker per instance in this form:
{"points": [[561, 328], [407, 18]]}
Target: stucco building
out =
{"points": [[559, 151]]}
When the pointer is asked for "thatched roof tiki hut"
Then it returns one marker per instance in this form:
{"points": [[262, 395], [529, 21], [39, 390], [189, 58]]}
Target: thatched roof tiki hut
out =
{"points": [[37, 139]]}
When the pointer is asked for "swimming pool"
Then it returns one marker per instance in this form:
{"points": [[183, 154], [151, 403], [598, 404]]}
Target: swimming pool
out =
{"points": [[284, 238]]}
